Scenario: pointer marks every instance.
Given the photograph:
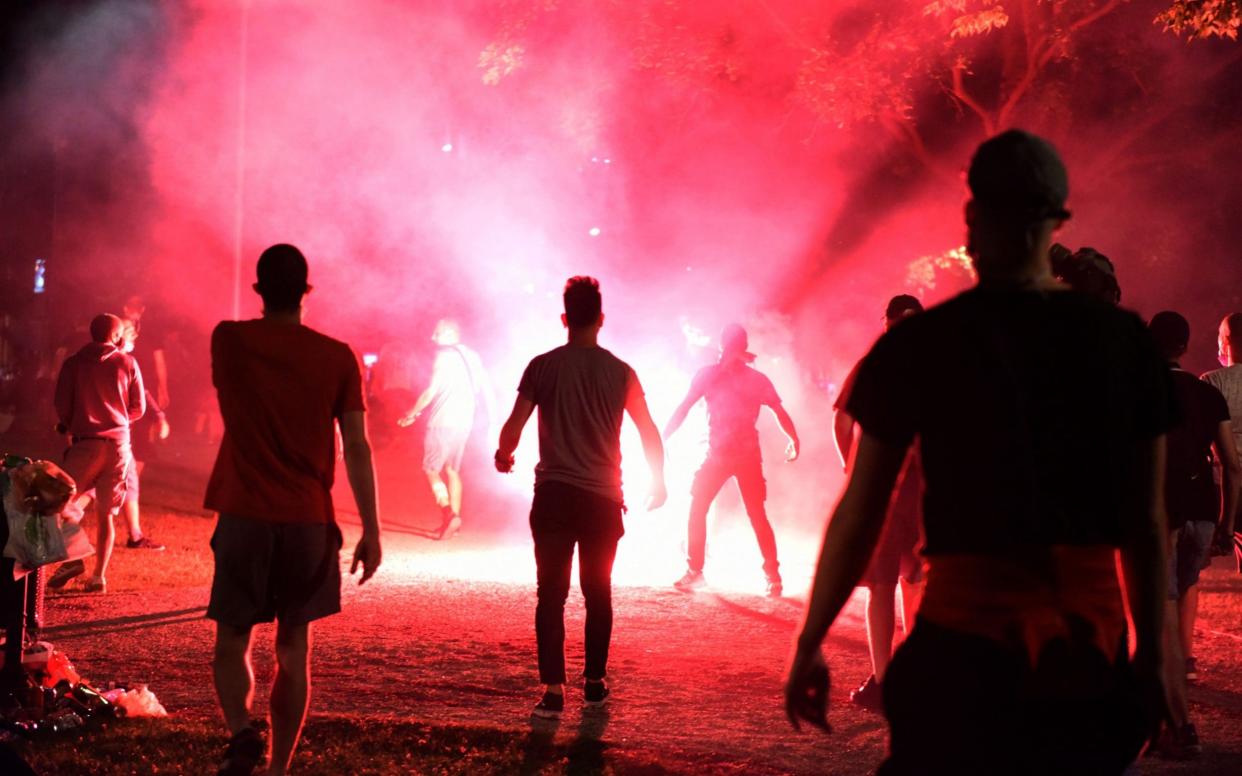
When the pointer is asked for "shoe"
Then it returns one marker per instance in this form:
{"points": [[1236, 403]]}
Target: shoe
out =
{"points": [[66, 572], [244, 752], [450, 529], [1192, 670], [1180, 744], [550, 706], [775, 588], [594, 693], [692, 580], [868, 695], [95, 585], [145, 543]]}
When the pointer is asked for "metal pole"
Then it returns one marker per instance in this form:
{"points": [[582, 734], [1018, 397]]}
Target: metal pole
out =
{"points": [[239, 192]]}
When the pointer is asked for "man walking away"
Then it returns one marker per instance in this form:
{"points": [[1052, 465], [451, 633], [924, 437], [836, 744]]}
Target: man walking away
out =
{"points": [[734, 392], [283, 389], [99, 394], [1228, 380], [581, 391]]}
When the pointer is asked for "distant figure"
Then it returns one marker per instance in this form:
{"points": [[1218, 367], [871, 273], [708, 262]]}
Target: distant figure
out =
{"points": [[457, 382], [1086, 270], [283, 390], [99, 395], [1228, 380], [581, 391], [1040, 416], [735, 392], [896, 558], [1195, 508], [132, 312]]}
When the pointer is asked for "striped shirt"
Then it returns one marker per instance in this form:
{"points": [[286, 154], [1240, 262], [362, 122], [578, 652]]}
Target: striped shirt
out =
{"points": [[1229, 382]]}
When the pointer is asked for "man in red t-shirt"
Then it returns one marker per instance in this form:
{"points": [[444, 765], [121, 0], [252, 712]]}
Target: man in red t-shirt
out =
{"points": [[283, 388]]}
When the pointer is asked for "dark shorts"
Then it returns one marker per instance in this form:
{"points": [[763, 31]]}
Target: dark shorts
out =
{"points": [[444, 447], [267, 571], [1189, 553]]}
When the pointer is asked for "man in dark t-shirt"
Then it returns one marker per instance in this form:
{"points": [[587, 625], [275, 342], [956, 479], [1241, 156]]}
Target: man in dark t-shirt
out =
{"points": [[582, 391], [1195, 508], [734, 392], [1040, 416]]}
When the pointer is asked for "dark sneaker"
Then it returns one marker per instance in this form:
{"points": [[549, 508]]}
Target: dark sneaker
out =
{"points": [[1180, 744], [95, 585], [1192, 670], [775, 588], [692, 580], [868, 695], [594, 693], [550, 706], [66, 572], [450, 529], [244, 753], [145, 543]]}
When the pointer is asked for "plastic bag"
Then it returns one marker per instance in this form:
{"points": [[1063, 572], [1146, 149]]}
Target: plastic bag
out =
{"points": [[138, 702], [34, 539]]}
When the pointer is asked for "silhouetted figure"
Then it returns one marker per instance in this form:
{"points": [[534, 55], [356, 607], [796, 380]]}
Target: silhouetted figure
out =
{"points": [[283, 389], [1086, 270], [896, 558], [99, 394], [1040, 416], [1228, 380], [734, 392], [450, 400], [582, 391], [1195, 507]]}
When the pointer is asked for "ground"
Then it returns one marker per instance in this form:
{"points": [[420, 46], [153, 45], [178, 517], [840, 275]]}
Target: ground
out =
{"points": [[428, 672]]}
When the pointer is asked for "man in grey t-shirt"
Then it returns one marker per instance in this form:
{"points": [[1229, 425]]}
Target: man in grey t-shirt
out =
{"points": [[581, 391], [1228, 380]]}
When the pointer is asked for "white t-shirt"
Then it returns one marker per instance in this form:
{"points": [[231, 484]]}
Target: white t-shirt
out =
{"points": [[1229, 382], [456, 378]]}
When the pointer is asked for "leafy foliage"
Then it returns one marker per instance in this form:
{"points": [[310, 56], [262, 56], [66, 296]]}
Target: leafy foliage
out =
{"points": [[1203, 18]]}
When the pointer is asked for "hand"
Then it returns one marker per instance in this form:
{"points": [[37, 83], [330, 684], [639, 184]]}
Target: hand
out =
{"points": [[368, 554], [657, 496], [504, 463], [806, 690], [792, 451], [164, 429], [407, 419]]}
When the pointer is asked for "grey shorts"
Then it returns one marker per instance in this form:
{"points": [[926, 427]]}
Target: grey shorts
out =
{"points": [[265, 570], [444, 447], [1189, 553]]}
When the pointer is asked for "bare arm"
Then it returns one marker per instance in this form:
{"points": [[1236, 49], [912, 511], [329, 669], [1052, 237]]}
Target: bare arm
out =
{"points": [[843, 435], [361, 471], [787, 425], [137, 399], [683, 409], [161, 377], [426, 396], [848, 545], [1231, 477], [511, 433], [66, 388], [653, 446]]}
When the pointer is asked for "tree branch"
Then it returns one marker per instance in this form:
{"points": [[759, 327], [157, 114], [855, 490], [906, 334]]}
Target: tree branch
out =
{"points": [[962, 96]]}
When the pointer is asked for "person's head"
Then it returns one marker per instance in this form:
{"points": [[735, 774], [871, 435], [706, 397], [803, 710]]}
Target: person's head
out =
{"points": [[129, 335], [107, 329], [734, 343], [133, 308], [1087, 271], [1018, 187], [1229, 340], [281, 274], [1171, 333], [447, 333], [899, 308], [583, 304]]}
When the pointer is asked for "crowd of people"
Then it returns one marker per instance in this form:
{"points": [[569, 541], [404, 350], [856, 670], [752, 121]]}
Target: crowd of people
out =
{"points": [[1002, 449]]}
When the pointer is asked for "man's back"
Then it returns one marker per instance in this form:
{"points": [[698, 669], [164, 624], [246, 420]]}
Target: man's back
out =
{"points": [[580, 392], [99, 392], [734, 394], [1190, 492], [1229, 382], [281, 388], [1027, 406], [456, 375]]}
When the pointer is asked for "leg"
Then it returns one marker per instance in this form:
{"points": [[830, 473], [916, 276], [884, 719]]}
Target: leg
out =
{"points": [[595, 557], [233, 674], [754, 492], [911, 594], [290, 692], [1187, 611], [453, 475], [881, 624], [130, 509], [105, 536], [554, 557], [710, 477], [438, 489]]}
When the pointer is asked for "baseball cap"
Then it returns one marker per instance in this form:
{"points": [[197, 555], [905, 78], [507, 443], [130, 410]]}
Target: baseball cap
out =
{"points": [[1019, 173], [901, 304], [734, 342]]}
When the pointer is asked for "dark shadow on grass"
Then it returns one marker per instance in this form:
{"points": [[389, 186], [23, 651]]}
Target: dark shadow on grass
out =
{"points": [[756, 614], [130, 622], [539, 748], [1229, 702]]}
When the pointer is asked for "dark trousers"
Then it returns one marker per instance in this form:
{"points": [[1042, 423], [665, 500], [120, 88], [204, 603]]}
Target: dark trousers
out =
{"points": [[711, 477], [561, 517], [962, 704]]}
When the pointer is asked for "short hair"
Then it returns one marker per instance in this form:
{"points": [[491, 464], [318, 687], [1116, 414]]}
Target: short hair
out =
{"points": [[1171, 332], [282, 273], [583, 302], [1233, 328], [105, 328]]}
